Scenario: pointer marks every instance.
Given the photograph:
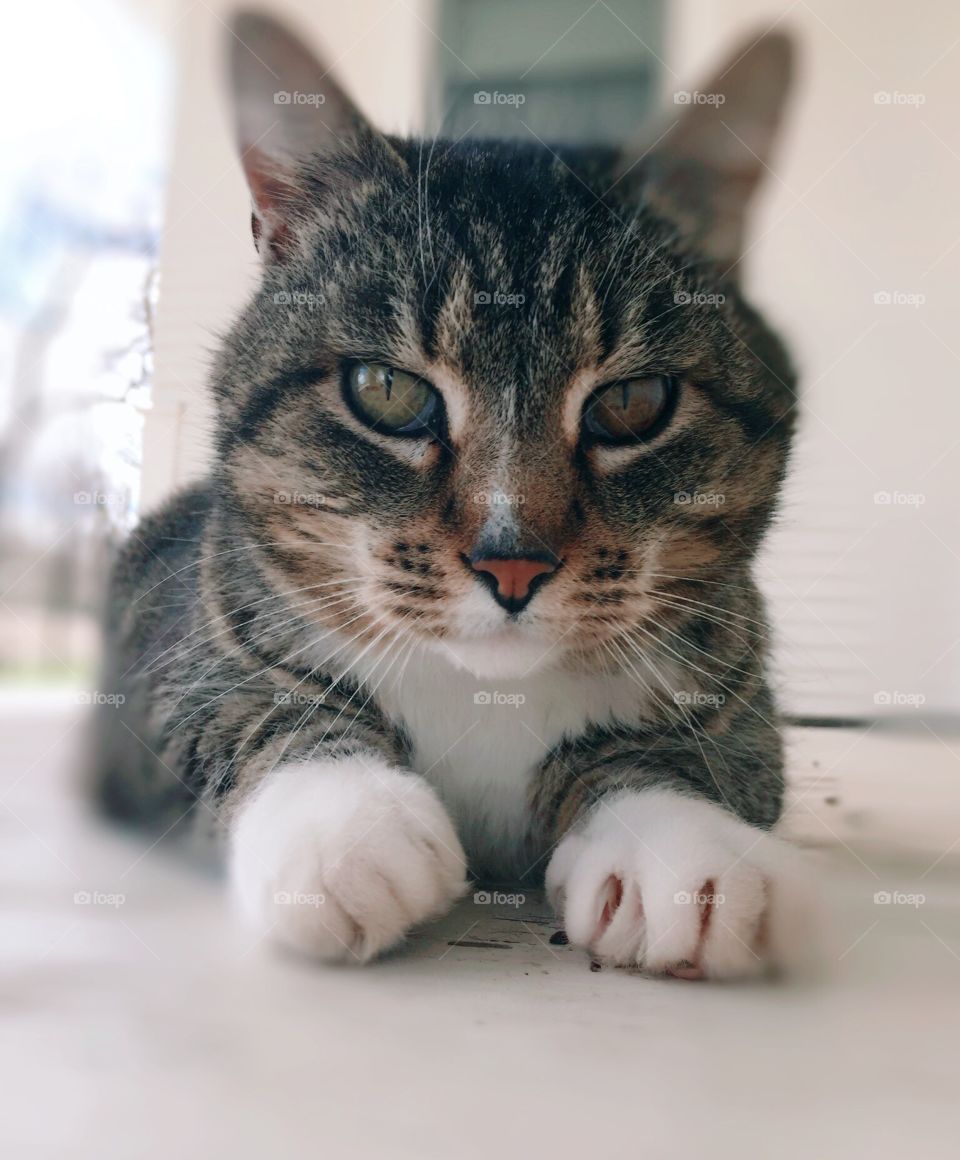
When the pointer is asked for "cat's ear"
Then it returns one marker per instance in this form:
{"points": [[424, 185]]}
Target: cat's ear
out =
{"points": [[286, 109], [704, 169]]}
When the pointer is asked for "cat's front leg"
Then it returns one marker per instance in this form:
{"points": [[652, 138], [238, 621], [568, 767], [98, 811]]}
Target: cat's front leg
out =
{"points": [[675, 884], [339, 857]]}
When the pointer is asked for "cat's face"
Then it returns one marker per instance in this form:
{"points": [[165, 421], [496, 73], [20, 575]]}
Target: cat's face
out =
{"points": [[467, 355]]}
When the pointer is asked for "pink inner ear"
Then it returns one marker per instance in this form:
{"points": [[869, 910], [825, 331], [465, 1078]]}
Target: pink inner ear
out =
{"points": [[274, 194]]}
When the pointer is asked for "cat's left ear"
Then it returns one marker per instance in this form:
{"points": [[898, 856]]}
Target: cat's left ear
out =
{"points": [[286, 109], [704, 169]]}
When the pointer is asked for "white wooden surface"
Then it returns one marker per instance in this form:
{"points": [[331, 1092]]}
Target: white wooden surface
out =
{"points": [[154, 1029]]}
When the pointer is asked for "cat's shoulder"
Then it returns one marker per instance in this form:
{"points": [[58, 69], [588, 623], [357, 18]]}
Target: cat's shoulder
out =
{"points": [[164, 542]]}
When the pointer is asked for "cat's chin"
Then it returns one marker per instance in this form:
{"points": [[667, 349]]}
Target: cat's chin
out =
{"points": [[508, 654]]}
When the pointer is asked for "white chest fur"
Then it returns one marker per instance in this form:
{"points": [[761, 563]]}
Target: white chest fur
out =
{"points": [[479, 742]]}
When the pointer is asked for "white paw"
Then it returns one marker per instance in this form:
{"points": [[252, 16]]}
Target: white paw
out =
{"points": [[338, 859], [678, 885]]}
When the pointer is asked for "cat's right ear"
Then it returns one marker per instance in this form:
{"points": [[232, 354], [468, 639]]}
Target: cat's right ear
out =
{"points": [[286, 108]]}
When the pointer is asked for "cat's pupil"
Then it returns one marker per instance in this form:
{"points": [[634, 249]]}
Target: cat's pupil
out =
{"points": [[390, 400], [627, 410]]}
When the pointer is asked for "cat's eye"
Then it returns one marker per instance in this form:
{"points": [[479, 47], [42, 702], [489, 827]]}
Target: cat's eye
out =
{"points": [[390, 400], [629, 410]]}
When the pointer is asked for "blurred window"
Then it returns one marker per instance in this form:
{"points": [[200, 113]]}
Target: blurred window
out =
{"points": [[83, 155], [551, 69]]}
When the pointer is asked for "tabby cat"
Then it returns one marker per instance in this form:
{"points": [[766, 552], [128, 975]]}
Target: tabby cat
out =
{"points": [[468, 588]]}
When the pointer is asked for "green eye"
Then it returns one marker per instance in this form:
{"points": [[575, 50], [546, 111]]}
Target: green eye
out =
{"points": [[630, 410], [392, 401]]}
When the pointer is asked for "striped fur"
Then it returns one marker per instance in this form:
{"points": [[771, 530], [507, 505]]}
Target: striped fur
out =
{"points": [[273, 612]]}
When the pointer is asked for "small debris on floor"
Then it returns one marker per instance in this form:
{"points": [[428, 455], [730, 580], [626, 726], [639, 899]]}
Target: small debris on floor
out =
{"points": [[559, 938]]}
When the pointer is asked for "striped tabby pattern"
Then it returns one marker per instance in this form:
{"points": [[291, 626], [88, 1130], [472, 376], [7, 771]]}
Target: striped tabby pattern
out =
{"points": [[264, 614]]}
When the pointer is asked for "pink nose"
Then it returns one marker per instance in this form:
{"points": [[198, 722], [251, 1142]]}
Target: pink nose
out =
{"points": [[513, 577]]}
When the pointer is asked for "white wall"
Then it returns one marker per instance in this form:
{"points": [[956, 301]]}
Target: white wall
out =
{"points": [[862, 199]]}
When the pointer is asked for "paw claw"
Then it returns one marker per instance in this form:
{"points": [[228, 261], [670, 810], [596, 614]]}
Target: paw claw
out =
{"points": [[675, 885], [612, 897]]}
